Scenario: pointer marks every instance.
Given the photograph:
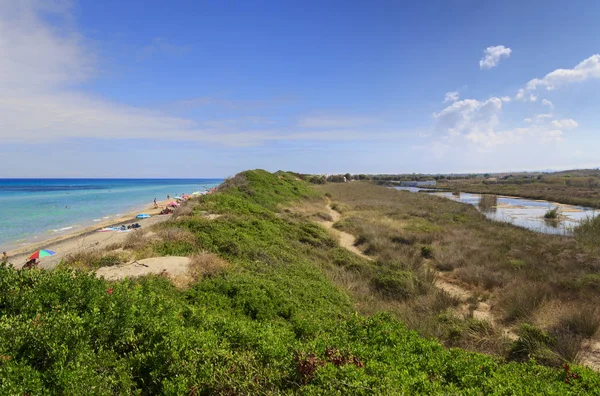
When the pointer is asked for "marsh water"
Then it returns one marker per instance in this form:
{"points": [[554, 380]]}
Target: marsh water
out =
{"points": [[522, 212]]}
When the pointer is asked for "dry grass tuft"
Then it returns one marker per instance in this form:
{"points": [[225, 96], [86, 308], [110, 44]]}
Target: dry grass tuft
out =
{"points": [[93, 259], [135, 240], [582, 321], [175, 234], [521, 300], [488, 202], [203, 265]]}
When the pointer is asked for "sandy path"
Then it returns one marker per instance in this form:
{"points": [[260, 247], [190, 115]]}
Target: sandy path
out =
{"points": [[345, 240], [590, 355], [86, 238]]}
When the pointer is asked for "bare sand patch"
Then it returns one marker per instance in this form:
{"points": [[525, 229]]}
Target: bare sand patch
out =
{"points": [[170, 266], [345, 240]]}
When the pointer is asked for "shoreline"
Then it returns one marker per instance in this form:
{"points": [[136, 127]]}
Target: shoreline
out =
{"points": [[76, 239]]}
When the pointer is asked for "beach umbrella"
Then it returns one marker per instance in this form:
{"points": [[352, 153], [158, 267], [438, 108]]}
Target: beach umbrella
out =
{"points": [[196, 193], [177, 197], [173, 204], [42, 253]]}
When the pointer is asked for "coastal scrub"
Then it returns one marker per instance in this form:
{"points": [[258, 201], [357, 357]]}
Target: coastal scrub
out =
{"points": [[262, 317]]}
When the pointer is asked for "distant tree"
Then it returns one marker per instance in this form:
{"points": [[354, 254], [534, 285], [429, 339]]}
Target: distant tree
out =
{"points": [[317, 179], [336, 179], [348, 176], [486, 175]]}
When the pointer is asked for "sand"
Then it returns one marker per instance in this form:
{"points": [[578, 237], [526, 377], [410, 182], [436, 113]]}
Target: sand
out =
{"points": [[171, 266], [86, 238], [345, 240]]}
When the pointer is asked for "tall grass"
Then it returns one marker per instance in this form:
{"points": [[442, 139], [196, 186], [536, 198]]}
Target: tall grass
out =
{"points": [[488, 202], [588, 231], [517, 270]]}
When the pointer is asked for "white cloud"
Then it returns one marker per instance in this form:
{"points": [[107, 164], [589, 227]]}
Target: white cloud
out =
{"points": [[470, 118], [587, 69], [506, 98], [492, 56], [565, 123], [35, 57], [533, 98], [451, 97], [520, 94], [548, 103], [477, 123]]}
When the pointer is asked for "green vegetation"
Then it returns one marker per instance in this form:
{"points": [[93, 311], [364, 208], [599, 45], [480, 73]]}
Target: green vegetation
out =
{"points": [[552, 214], [263, 315]]}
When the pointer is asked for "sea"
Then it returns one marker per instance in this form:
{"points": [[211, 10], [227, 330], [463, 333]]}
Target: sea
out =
{"points": [[33, 210]]}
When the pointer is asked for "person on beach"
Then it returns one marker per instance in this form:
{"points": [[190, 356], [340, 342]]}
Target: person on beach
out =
{"points": [[4, 258], [168, 197], [33, 263], [155, 204]]}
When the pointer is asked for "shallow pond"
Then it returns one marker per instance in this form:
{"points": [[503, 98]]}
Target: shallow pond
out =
{"points": [[522, 212]]}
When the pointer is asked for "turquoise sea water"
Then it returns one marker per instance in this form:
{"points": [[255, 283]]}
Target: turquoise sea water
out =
{"points": [[37, 209]]}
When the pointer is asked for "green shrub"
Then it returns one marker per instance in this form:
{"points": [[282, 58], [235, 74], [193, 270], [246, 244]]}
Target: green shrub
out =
{"points": [[397, 286], [533, 343], [551, 214], [427, 251]]}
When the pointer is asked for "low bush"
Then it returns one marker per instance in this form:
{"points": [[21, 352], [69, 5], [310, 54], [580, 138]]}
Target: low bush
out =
{"points": [[533, 343], [488, 201], [397, 286], [135, 240], [427, 251], [551, 214], [205, 264]]}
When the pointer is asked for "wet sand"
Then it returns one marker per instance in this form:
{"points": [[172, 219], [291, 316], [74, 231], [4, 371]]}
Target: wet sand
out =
{"points": [[86, 238]]}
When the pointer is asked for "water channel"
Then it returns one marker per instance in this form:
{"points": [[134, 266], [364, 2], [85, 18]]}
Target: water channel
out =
{"points": [[522, 212]]}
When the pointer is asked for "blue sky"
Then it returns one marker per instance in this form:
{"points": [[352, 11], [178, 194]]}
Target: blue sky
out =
{"points": [[207, 89]]}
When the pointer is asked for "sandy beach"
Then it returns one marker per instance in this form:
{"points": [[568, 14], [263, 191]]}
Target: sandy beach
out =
{"points": [[87, 238]]}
